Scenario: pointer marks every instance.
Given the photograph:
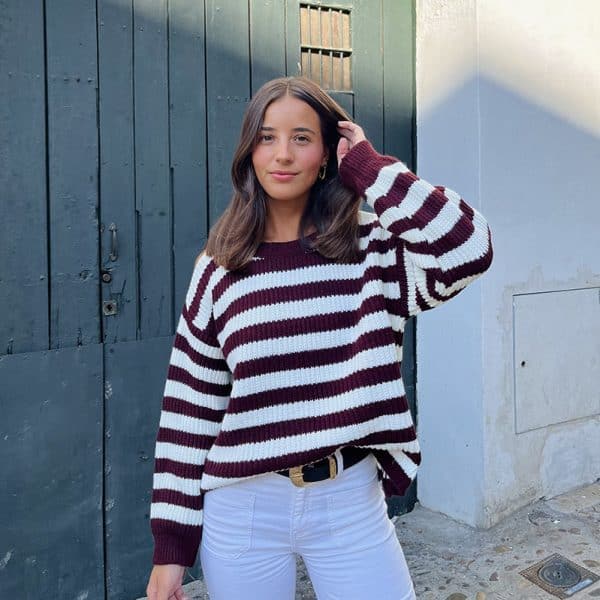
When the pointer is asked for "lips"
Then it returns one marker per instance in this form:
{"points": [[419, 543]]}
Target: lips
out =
{"points": [[282, 175]]}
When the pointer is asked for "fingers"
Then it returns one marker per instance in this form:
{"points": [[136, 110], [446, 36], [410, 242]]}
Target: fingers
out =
{"points": [[351, 131], [342, 149], [165, 595], [179, 594], [351, 134], [343, 146]]}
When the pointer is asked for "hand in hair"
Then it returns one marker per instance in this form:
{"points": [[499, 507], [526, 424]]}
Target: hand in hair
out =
{"points": [[351, 134]]}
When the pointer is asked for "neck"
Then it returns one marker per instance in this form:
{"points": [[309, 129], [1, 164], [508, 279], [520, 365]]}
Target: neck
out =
{"points": [[283, 224]]}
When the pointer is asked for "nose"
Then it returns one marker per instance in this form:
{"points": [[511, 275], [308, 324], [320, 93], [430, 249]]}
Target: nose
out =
{"points": [[283, 152]]}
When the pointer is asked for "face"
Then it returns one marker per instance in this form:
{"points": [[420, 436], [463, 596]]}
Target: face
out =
{"points": [[289, 151]]}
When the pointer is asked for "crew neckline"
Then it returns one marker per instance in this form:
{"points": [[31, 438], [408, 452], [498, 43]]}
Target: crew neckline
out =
{"points": [[288, 247]]}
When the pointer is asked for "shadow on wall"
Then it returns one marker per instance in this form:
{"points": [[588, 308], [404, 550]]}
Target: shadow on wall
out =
{"points": [[534, 176]]}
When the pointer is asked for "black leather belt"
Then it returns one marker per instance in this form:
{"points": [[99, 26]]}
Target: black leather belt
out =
{"points": [[326, 468]]}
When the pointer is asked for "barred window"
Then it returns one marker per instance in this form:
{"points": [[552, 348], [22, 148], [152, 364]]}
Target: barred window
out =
{"points": [[325, 46]]}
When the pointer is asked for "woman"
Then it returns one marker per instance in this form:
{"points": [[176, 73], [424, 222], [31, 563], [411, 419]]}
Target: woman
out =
{"points": [[285, 423]]}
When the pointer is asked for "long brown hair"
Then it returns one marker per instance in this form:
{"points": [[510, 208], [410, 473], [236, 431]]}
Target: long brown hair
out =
{"points": [[331, 207]]}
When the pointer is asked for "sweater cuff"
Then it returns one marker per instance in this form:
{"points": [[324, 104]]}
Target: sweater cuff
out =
{"points": [[360, 167], [176, 550]]}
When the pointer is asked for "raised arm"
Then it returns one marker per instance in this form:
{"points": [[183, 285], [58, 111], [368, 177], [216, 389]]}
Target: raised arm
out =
{"points": [[442, 243]]}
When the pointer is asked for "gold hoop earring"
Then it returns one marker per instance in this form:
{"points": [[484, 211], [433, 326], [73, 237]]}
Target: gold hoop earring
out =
{"points": [[323, 171]]}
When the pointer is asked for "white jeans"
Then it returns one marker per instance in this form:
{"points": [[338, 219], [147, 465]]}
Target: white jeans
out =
{"points": [[253, 529]]}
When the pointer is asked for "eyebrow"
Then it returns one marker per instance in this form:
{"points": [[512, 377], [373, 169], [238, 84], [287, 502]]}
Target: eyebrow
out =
{"points": [[302, 129]]}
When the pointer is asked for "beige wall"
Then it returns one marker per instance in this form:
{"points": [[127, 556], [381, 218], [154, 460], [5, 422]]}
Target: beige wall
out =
{"points": [[508, 114]]}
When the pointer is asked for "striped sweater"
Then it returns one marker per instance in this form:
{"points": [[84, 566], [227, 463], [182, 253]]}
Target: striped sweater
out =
{"points": [[298, 356]]}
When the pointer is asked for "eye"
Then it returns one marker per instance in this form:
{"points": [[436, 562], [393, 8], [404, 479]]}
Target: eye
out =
{"points": [[265, 138], [302, 139]]}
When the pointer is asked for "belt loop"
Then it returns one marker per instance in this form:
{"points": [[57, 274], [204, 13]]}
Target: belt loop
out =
{"points": [[340, 462]]}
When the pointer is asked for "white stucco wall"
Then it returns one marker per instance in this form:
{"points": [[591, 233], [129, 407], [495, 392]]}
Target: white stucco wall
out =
{"points": [[508, 115]]}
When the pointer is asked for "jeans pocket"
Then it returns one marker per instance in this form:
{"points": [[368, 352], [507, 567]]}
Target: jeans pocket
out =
{"points": [[228, 515], [358, 517]]}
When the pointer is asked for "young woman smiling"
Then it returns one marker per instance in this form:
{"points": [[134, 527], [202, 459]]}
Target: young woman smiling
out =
{"points": [[284, 422]]}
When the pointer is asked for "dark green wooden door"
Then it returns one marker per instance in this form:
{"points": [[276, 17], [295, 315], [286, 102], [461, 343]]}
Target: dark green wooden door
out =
{"points": [[51, 369], [118, 120]]}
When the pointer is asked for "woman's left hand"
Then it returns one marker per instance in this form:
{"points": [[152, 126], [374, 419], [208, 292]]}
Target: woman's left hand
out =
{"points": [[351, 134]]}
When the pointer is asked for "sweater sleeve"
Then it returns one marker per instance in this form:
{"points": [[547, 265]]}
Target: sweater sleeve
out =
{"points": [[441, 243], [196, 393]]}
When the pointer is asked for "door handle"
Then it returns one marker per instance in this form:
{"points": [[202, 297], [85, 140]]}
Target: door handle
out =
{"points": [[114, 242]]}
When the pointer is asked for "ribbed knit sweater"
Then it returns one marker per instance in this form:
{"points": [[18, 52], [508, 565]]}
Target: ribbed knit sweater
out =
{"points": [[297, 356]]}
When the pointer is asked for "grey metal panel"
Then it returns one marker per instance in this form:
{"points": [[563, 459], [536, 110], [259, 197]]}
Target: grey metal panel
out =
{"points": [[267, 41], [152, 170], [367, 69], [228, 91], [23, 264], [188, 139], [117, 186], [135, 378], [72, 172], [398, 79], [556, 333], [51, 455]]}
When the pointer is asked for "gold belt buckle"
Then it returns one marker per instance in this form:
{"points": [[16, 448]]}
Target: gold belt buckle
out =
{"points": [[298, 478], [332, 467]]}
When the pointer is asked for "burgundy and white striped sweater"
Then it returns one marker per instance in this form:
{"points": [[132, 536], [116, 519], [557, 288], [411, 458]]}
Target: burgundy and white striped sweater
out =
{"points": [[299, 356]]}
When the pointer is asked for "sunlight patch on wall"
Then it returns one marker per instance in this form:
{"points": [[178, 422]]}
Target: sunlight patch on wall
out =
{"points": [[446, 54], [543, 50], [546, 51]]}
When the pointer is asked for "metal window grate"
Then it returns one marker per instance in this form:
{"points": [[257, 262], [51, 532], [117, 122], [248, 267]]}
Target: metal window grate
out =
{"points": [[325, 46]]}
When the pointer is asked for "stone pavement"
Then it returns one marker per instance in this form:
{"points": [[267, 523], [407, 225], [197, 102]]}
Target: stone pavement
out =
{"points": [[451, 561]]}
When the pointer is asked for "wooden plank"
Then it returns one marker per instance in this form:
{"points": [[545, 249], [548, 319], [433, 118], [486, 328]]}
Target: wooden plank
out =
{"points": [[292, 38], [187, 83], [228, 91], [267, 41], [398, 79], [51, 493], [345, 100], [117, 202], [23, 241], [152, 171], [367, 69], [135, 378], [399, 140], [72, 172]]}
